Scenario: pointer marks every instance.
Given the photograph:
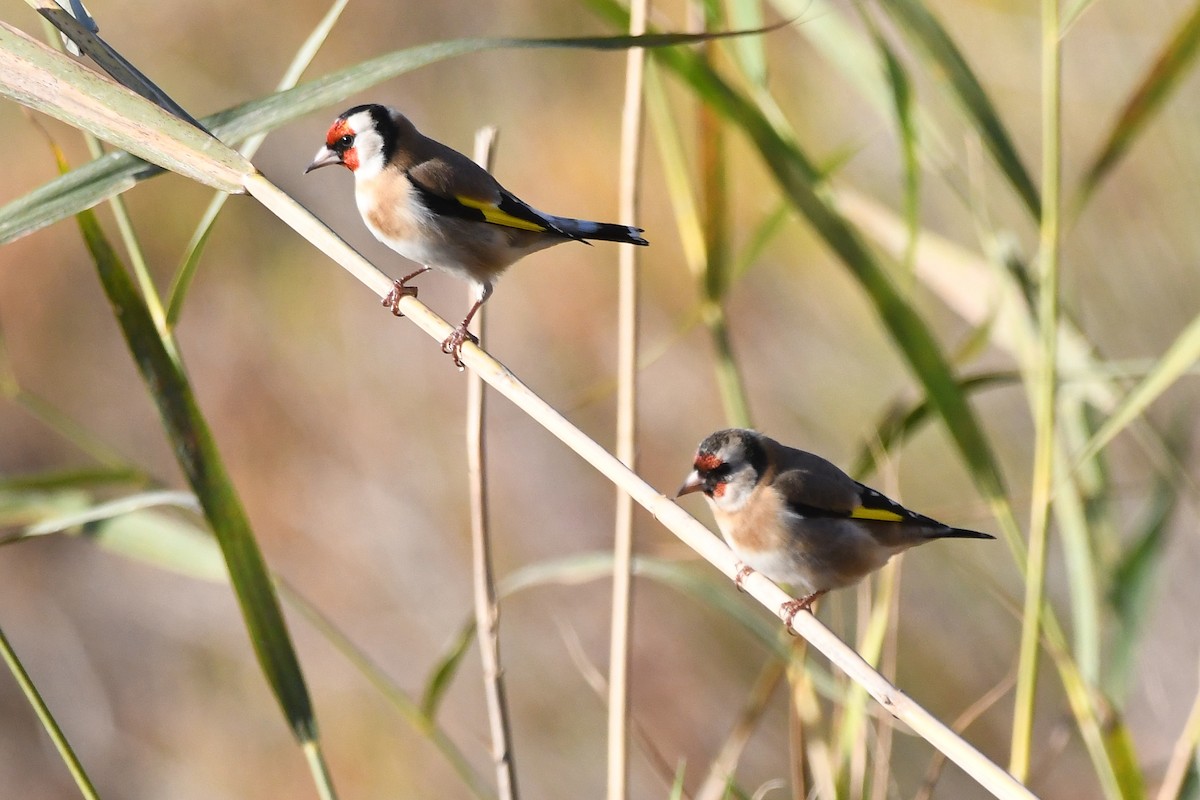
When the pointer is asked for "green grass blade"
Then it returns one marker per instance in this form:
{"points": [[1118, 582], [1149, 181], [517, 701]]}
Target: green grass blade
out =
{"points": [[83, 477], [442, 675], [47, 719], [924, 28], [1134, 580], [750, 50], [1154, 89], [67, 195], [96, 182], [901, 421], [1118, 743], [1174, 363], [198, 457], [903, 103]]}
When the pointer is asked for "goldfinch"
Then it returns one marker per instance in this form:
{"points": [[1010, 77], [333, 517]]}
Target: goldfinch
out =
{"points": [[800, 520], [435, 206]]}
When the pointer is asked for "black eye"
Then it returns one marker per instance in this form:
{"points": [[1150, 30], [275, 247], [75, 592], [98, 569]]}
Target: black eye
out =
{"points": [[344, 143]]}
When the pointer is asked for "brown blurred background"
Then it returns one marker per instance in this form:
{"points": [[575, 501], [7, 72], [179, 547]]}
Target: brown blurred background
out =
{"points": [[342, 427]]}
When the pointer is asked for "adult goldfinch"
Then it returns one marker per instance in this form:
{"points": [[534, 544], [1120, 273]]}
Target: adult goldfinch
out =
{"points": [[435, 206], [798, 519]]}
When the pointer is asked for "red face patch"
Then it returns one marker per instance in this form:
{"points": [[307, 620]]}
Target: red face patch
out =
{"points": [[349, 155], [706, 462], [337, 130], [719, 489]]}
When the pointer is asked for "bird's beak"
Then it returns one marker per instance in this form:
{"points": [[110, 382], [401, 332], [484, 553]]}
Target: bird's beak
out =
{"points": [[324, 158], [694, 483]]}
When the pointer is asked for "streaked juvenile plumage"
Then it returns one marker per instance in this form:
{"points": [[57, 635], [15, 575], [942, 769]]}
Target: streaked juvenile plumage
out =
{"points": [[433, 205], [800, 520]]}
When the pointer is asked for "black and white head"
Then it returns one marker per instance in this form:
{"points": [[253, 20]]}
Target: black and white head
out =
{"points": [[727, 467], [362, 139]]}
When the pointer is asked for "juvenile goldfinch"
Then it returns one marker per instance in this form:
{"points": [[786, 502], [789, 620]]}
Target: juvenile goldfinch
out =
{"points": [[435, 206], [798, 519]]}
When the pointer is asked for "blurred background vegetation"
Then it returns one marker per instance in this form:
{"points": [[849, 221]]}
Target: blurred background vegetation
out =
{"points": [[342, 429]]}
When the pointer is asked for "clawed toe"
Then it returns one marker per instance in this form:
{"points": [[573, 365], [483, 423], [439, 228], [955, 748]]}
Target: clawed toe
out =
{"points": [[452, 346], [791, 608], [399, 290], [744, 571]]}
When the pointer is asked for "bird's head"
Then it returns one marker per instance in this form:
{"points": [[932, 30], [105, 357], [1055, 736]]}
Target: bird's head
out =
{"points": [[360, 139], [727, 467]]}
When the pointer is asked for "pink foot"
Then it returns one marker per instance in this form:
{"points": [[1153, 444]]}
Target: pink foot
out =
{"points": [[791, 608], [452, 346], [743, 572], [398, 291]]}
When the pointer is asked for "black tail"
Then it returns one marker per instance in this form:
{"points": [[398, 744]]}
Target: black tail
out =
{"points": [[960, 533], [600, 231]]}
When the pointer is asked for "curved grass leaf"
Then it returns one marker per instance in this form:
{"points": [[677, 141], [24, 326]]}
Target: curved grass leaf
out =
{"points": [[900, 422], [700, 585], [922, 26], [1174, 363], [115, 173], [1134, 580], [1153, 90], [197, 455]]}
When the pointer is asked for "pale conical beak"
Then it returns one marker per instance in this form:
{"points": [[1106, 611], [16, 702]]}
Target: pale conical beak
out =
{"points": [[694, 483], [324, 158]]}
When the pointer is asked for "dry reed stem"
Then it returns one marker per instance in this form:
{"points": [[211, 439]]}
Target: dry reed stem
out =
{"points": [[626, 449], [671, 516], [487, 608]]}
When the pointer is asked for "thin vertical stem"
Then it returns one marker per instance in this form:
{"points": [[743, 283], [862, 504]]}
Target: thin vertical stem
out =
{"points": [[1045, 394], [487, 609], [622, 602]]}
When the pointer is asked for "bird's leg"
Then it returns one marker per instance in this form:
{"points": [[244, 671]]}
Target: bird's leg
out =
{"points": [[793, 607], [744, 571], [400, 289], [452, 345]]}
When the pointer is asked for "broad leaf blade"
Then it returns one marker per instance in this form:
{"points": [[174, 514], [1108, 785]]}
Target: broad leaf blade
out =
{"points": [[48, 81], [197, 455]]}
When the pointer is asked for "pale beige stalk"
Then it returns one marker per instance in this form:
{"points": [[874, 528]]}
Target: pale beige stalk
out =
{"points": [[626, 450]]}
